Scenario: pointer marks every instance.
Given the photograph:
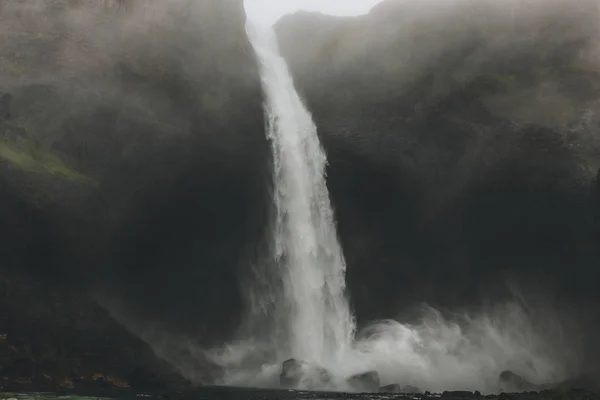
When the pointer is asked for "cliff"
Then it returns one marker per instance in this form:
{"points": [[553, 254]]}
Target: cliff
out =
{"points": [[463, 149], [119, 123]]}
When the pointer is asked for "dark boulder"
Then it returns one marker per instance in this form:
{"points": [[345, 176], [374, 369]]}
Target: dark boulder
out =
{"points": [[365, 382], [511, 381], [458, 394], [301, 374], [291, 373]]}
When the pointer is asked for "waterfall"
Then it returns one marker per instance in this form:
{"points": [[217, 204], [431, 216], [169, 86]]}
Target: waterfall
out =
{"points": [[314, 312], [308, 313]]}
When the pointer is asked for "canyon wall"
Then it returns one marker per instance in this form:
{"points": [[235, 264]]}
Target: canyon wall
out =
{"points": [[464, 151], [133, 167]]}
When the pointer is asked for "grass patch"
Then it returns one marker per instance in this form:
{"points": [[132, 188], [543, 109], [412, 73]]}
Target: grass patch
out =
{"points": [[33, 158]]}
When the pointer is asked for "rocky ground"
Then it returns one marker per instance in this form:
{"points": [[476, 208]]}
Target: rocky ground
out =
{"points": [[215, 393], [228, 393]]}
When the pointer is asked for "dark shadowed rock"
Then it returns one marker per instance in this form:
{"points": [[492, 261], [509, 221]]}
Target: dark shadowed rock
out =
{"points": [[512, 381], [458, 394], [291, 373], [301, 374], [365, 382]]}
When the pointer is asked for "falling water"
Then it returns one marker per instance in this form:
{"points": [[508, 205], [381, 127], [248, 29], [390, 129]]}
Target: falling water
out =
{"points": [[318, 321], [309, 314]]}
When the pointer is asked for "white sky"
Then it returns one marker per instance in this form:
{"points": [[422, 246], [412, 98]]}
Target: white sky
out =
{"points": [[269, 11]]}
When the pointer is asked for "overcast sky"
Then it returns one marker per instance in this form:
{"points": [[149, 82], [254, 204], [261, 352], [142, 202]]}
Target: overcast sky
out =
{"points": [[268, 11]]}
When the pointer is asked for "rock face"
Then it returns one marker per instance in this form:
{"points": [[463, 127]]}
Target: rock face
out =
{"points": [[365, 382], [297, 374], [122, 120], [472, 147]]}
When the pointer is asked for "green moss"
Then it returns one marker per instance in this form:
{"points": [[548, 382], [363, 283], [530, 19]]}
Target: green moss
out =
{"points": [[31, 157]]}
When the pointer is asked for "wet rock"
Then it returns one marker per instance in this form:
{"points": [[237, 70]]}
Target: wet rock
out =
{"points": [[365, 382], [301, 374], [516, 382]]}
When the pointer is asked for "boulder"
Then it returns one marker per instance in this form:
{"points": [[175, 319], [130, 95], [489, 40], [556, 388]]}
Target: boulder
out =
{"points": [[458, 394], [301, 374], [512, 381], [365, 382]]}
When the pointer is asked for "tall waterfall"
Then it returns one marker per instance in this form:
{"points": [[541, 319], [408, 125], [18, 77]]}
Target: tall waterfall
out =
{"points": [[309, 316], [318, 323]]}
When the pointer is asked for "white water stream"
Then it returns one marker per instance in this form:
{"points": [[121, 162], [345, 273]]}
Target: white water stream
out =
{"points": [[305, 246], [310, 317]]}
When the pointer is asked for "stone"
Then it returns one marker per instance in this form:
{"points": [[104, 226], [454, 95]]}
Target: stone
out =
{"points": [[291, 373], [365, 382], [515, 382], [301, 374], [457, 394]]}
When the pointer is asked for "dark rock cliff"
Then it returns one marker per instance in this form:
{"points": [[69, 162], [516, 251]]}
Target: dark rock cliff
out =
{"points": [[133, 169], [463, 146]]}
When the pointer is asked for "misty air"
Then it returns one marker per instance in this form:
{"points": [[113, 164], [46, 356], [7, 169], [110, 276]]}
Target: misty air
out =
{"points": [[300, 199]]}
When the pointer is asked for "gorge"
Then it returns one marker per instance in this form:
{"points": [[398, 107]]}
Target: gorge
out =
{"points": [[463, 161]]}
